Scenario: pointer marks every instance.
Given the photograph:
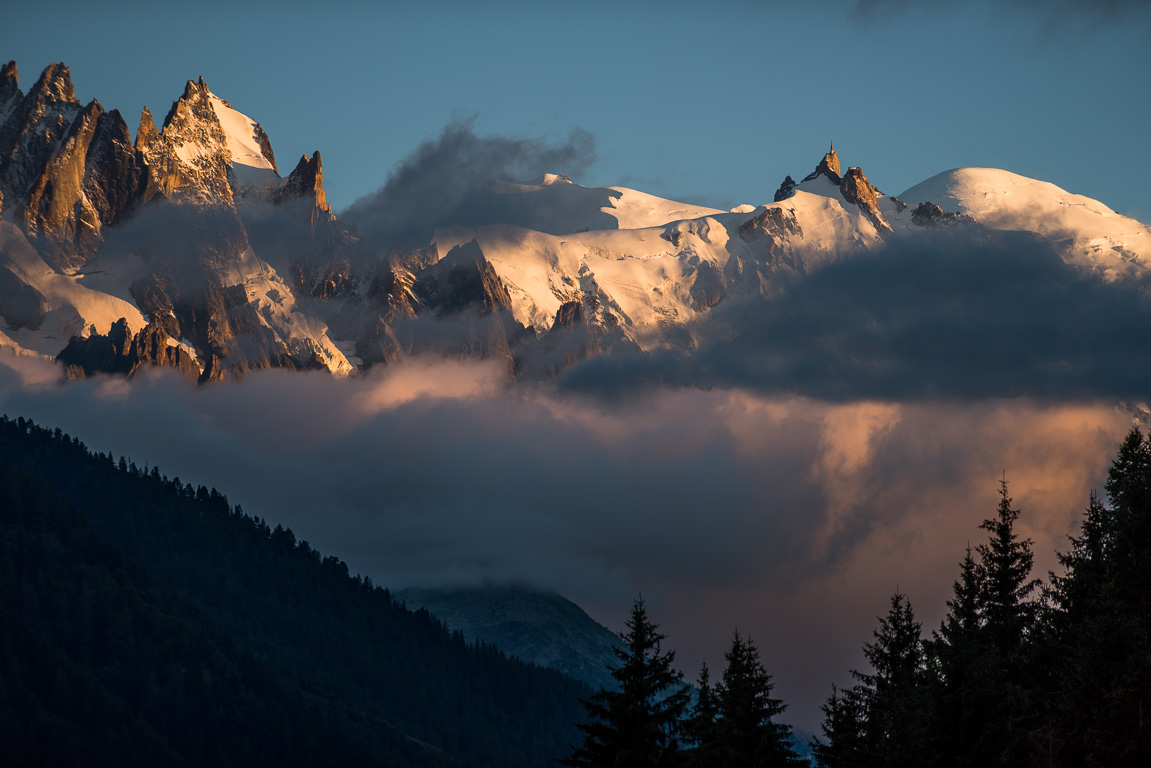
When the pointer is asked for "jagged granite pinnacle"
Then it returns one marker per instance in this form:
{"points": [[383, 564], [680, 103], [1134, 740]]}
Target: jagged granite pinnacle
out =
{"points": [[306, 184], [828, 166]]}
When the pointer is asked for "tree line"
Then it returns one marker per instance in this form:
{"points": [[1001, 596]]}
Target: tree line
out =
{"points": [[1020, 672]]}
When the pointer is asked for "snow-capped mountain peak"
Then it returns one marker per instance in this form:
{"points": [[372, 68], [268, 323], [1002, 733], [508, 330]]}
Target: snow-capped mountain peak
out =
{"points": [[1086, 231], [224, 266]]}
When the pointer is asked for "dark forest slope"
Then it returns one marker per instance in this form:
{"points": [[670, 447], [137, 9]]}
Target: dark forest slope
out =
{"points": [[194, 598]]}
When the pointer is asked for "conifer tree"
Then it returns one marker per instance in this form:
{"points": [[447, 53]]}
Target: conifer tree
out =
{"points": [[843, 743], [1100, 625], [957, 668], [893, 692], [981, 661], [1006, 562], [638, 725], [747, 731], [701, 726]]}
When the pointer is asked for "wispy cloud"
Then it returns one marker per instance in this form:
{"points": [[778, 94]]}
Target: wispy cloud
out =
{"points": [[442, 177]]}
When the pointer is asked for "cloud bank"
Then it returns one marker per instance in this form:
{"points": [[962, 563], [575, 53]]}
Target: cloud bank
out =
{"points": [[790, 517], [938, 316]]}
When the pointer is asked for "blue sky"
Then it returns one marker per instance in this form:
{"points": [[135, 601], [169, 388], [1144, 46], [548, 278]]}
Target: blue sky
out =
{"points": [[709, 102]]}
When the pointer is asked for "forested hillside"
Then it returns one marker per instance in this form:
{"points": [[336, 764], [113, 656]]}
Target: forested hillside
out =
{"points": [[205, 635]]}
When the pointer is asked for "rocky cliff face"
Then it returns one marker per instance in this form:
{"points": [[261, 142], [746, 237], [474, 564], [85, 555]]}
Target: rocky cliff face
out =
{"points": [[304, 189], [34, 129], [10, 94], [66, 172], [856, 189], [463, 279], [121, 351], [190, 158]]}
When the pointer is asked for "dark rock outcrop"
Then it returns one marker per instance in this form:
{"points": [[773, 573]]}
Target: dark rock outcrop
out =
{"points": [[122, 352], [573, 336], [928, 214], [856, 189], [463, 279], [569, 315], [115, 176], [266, 147], [786, 190], [776, 223], [10, 94]]}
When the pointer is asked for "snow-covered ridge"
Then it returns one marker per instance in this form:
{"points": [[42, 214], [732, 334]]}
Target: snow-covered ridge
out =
{"points": [[604, 268], [1087, 232], [249, 162]]}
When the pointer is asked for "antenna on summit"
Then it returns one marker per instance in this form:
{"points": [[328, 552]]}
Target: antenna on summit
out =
{"points": [[833, 147]]}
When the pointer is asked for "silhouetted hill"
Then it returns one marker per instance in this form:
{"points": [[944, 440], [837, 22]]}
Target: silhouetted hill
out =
{"points": [[257, 605]]}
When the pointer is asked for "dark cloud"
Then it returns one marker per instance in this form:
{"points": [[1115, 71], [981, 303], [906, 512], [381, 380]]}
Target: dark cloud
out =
{"points": [[444, 178], [941, 315]]}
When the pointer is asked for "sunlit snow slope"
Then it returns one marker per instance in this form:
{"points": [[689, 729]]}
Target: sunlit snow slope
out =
{"points": [[1083, 230]]}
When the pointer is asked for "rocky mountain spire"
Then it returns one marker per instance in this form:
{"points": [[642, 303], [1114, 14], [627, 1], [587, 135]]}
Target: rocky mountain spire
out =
{"points": [[55, 211], [10, 94], [306, 183], [89, 182], [200, 175], [34, 129], [147, 134], [828, 166], [114, 177]]}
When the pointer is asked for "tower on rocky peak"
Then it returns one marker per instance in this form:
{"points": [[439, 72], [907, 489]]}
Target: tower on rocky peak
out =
{"points": [[828, 166], [830, 160]]}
